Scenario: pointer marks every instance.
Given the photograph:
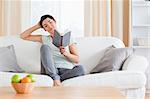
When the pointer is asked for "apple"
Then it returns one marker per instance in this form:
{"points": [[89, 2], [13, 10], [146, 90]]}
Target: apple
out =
{"points": [[15, 78], [31, 77], [33, 80]]}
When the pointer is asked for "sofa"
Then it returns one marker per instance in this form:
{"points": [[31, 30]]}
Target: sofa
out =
{"points": [[131, 81], [145, 51]]}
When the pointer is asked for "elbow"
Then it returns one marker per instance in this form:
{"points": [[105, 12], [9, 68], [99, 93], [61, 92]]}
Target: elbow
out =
{"points": [[77, 60], [22, 36]]}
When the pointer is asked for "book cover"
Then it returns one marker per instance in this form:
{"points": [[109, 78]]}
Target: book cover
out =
{"points": [[61, 40]]}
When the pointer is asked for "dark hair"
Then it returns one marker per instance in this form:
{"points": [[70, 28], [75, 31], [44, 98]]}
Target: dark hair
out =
{"points": [[44, 17]]}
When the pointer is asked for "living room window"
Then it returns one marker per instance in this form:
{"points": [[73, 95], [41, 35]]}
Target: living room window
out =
{"points": [[68, 14], [140, 13]]}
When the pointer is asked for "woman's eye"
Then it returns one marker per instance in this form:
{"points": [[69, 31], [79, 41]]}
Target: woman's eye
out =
{"points": [[50, 21]]}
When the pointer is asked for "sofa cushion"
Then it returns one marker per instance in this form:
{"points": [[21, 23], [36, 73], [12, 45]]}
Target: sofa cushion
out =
{"points": [[119, 79], [41, 80], [113, 59], [8, 60], [101, 66], [136, 63]]}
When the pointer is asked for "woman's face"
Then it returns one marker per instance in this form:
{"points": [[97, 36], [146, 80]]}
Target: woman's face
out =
{"points": [[49, 25]]}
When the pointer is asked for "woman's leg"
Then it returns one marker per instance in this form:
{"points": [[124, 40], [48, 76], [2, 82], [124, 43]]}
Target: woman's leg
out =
{"points": [[47, 63], [43, 71], [70, 73]]}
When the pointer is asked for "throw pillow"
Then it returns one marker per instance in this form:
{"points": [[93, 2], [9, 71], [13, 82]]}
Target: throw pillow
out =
{"points": [[112, 60], [8, 61]]}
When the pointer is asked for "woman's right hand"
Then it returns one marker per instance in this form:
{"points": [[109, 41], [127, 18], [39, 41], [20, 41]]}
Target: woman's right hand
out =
{"points": [[38, 25]]}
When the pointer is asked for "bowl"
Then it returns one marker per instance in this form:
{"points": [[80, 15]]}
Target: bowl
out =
{"points": [[23, 88]]}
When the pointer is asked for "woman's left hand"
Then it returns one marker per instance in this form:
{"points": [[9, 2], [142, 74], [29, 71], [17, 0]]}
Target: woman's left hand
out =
{"points": [[62, 49]]}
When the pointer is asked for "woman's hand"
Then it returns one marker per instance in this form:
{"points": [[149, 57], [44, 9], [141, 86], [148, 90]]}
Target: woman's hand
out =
{"points": [[62, 50], [73, 55], [38, 25]]}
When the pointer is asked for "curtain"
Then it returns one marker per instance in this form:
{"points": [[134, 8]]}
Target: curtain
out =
{"points": [[13, 15], [107, 18], [10, 17], [1, 21], [126, 22]]}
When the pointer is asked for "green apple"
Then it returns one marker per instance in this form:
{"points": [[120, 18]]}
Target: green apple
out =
{"points": [[31, 77], [15, 78], [33, 80]]}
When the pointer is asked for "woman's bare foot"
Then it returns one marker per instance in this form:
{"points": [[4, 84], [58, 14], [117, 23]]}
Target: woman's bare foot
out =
{"points": [[57, 83]]}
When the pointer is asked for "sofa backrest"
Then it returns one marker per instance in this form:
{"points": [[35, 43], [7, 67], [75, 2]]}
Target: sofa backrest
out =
{"points": [[27, 52], [90, 50]]}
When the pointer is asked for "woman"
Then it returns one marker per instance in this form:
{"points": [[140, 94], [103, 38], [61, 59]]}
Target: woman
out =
{"points": [[56, 62]]}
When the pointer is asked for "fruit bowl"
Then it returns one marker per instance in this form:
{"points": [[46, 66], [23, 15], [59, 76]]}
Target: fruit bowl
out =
{"points": [[23, 85], [23, 88]]}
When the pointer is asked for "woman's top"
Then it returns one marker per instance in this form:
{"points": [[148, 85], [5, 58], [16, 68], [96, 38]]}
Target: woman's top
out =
{"points": [[60, 61]]}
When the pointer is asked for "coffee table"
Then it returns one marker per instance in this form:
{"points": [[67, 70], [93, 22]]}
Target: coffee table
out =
{"points": [[64, 93]]}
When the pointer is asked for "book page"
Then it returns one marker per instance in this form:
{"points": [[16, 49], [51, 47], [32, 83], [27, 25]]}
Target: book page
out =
{"points": [[66, 39], [57, 39]]}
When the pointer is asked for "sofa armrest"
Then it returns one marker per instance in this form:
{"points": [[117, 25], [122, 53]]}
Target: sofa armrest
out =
{"points": [[136, 63], [41, 80], [118, 79]]}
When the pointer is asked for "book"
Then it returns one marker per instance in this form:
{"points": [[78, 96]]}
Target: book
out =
{"points": [[61, 40]]}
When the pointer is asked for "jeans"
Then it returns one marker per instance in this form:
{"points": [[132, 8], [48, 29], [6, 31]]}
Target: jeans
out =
{"points": [[48, 66]]}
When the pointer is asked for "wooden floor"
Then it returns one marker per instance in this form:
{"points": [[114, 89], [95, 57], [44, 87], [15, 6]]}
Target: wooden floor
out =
{"points": [[147, 96]]}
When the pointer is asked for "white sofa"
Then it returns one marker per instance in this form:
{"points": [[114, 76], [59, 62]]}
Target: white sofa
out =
{"points": [[145, 51], [131, 81]]}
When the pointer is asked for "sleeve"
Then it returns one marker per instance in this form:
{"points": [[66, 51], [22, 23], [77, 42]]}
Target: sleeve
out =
{"points": [[45, 39]]}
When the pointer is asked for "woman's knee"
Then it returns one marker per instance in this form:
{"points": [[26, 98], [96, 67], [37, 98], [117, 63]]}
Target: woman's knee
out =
{"points": [[45, 48], [80, 70]]}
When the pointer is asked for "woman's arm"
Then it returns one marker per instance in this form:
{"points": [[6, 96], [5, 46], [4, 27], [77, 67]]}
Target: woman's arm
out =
{"points": [[26, 35], [73, 55]]}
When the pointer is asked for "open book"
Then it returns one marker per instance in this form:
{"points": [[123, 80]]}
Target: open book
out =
{"points": [[61, 40]]}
